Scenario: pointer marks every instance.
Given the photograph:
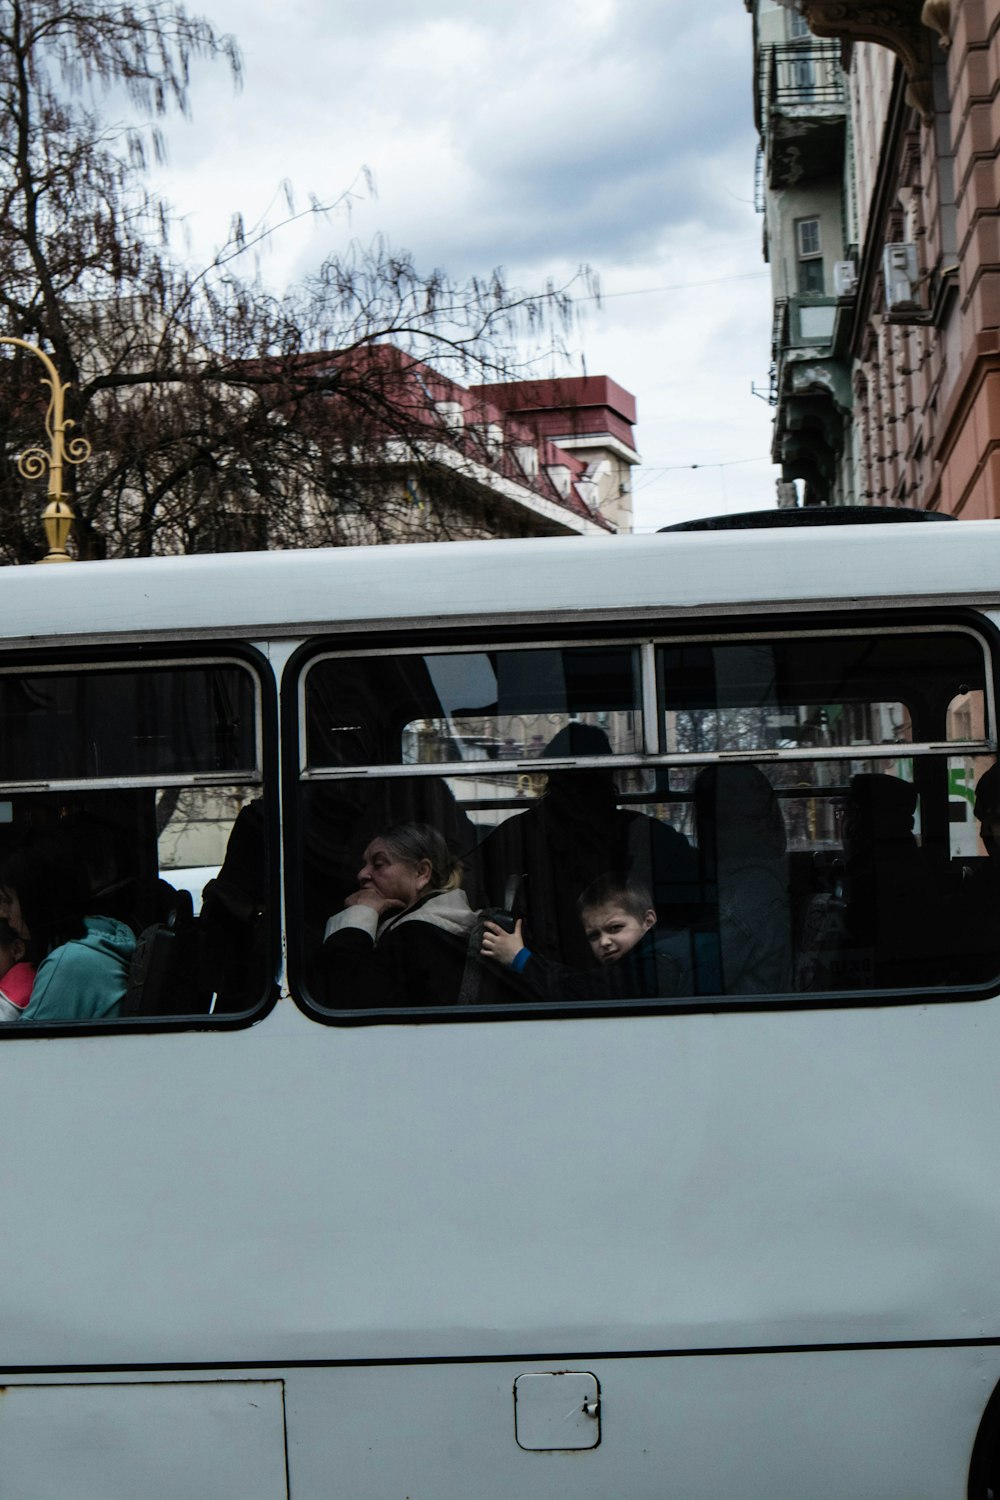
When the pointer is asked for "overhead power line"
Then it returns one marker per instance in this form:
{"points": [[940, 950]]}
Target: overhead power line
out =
{"points": [[726, 463], [673, 286]]}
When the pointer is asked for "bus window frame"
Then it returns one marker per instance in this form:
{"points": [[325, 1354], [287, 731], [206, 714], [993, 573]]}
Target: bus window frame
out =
{"points": [[647, 646], [647, 633], [217, 651], [484, 648]]}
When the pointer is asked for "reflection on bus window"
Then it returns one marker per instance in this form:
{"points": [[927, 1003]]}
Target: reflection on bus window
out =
{"points": [[60, 725], [787, 826], [498, 705]]}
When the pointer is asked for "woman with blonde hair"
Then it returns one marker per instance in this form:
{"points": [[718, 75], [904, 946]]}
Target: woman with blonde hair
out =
{"points": [[402, 938]]}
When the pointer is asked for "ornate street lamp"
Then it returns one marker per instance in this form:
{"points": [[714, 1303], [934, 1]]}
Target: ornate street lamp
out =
{"points": [[57, 517]]}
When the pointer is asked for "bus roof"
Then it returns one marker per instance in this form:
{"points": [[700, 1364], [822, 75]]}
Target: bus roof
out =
{"points": [[680, 574]]}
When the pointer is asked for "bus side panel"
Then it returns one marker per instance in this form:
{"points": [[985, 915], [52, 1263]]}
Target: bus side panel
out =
{"points": [[535, 1197], [295, 1191], [161, 1440], [830, 1425], [872, 1424]]}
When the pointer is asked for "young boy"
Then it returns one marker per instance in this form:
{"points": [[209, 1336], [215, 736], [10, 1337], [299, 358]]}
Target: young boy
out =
{"points": [[16, 976], [619, 922]]}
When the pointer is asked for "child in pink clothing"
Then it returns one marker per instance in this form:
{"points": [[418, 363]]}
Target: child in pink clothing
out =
{"points": [[16, 976]]}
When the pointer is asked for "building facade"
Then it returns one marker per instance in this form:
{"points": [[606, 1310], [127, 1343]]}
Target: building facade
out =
{"points": [[800, 105], [584, 425], [507, 459], [881, 123]]}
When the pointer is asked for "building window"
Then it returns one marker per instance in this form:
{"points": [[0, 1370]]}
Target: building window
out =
{"points": [[808, 234], [803, 72], [810, 255]]}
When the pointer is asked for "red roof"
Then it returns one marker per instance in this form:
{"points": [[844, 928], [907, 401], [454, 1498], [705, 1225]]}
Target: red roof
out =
{"points": [[568, 406], [529, 413]]}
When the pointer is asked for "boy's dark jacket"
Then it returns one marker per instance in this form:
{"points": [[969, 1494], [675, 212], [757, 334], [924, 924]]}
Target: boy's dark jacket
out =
{"points": [[658, 967]]}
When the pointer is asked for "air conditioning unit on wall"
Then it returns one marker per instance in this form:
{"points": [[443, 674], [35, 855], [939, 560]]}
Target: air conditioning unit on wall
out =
{"points": [[845, 278], [899, 268]]}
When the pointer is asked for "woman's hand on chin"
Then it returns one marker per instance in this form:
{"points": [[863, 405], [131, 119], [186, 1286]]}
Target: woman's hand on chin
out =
{"points": [[367, 896]]}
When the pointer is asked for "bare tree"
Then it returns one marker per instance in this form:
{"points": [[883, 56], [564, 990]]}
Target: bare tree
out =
{"points": [[221, 416]]}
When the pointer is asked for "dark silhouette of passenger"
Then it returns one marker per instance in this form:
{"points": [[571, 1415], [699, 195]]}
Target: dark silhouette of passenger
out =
{"points": [[744, 872], [987, 810], [893, 906], [232, 927], [978, 901]]}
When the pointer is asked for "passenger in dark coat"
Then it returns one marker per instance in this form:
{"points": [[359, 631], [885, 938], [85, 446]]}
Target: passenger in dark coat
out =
{"points": [[894, 907], [573, 834], [232, 926], [987, 811], [978, 901], [741, 848], [402, 937]]}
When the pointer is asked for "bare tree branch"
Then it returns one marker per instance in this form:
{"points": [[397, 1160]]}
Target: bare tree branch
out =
{"points": [[221, 415]]}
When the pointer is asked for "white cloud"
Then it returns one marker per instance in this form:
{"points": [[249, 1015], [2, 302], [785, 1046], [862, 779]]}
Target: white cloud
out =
{"points": [[617, 132]]}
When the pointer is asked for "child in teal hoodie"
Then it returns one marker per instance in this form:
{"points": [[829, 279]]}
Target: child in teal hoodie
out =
{"points": [[86, 978], [83, 961]]}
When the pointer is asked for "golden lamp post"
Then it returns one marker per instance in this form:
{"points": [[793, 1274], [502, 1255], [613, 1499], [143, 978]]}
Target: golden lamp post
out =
{"points": [[57, 517]]}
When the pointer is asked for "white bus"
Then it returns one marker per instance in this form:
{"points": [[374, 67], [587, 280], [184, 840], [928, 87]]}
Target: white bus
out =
{"points": [[274, 1227]]}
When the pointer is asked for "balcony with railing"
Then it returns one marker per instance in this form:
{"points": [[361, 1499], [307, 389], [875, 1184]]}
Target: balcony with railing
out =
{"points": [[805, 109], [806, 74]]}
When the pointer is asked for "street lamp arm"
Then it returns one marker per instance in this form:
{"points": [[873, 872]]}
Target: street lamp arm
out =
{"points": [[33, 462]]}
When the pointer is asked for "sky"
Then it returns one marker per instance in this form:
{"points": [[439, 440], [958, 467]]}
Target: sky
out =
{"points": [[537, 136]]}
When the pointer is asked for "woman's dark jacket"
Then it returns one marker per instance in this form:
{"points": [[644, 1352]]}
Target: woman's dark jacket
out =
{"points": [[415, 957]]}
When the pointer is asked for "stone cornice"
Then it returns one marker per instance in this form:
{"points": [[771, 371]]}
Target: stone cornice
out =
{"points": [[896, 24]]}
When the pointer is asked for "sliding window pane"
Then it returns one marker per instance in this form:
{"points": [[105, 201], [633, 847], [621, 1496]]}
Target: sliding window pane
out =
{"points": [[819, 694], [127, 723], [473, 706]]}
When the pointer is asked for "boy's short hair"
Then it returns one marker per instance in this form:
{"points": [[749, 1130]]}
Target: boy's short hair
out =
{"points": [[612, 889]]}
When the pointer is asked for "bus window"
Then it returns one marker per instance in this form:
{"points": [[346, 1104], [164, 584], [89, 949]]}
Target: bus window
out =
{"points": [[781, 824], [122, 785]]}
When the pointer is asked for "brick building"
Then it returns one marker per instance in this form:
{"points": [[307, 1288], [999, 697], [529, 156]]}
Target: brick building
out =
{"points": [[887, 363]]}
